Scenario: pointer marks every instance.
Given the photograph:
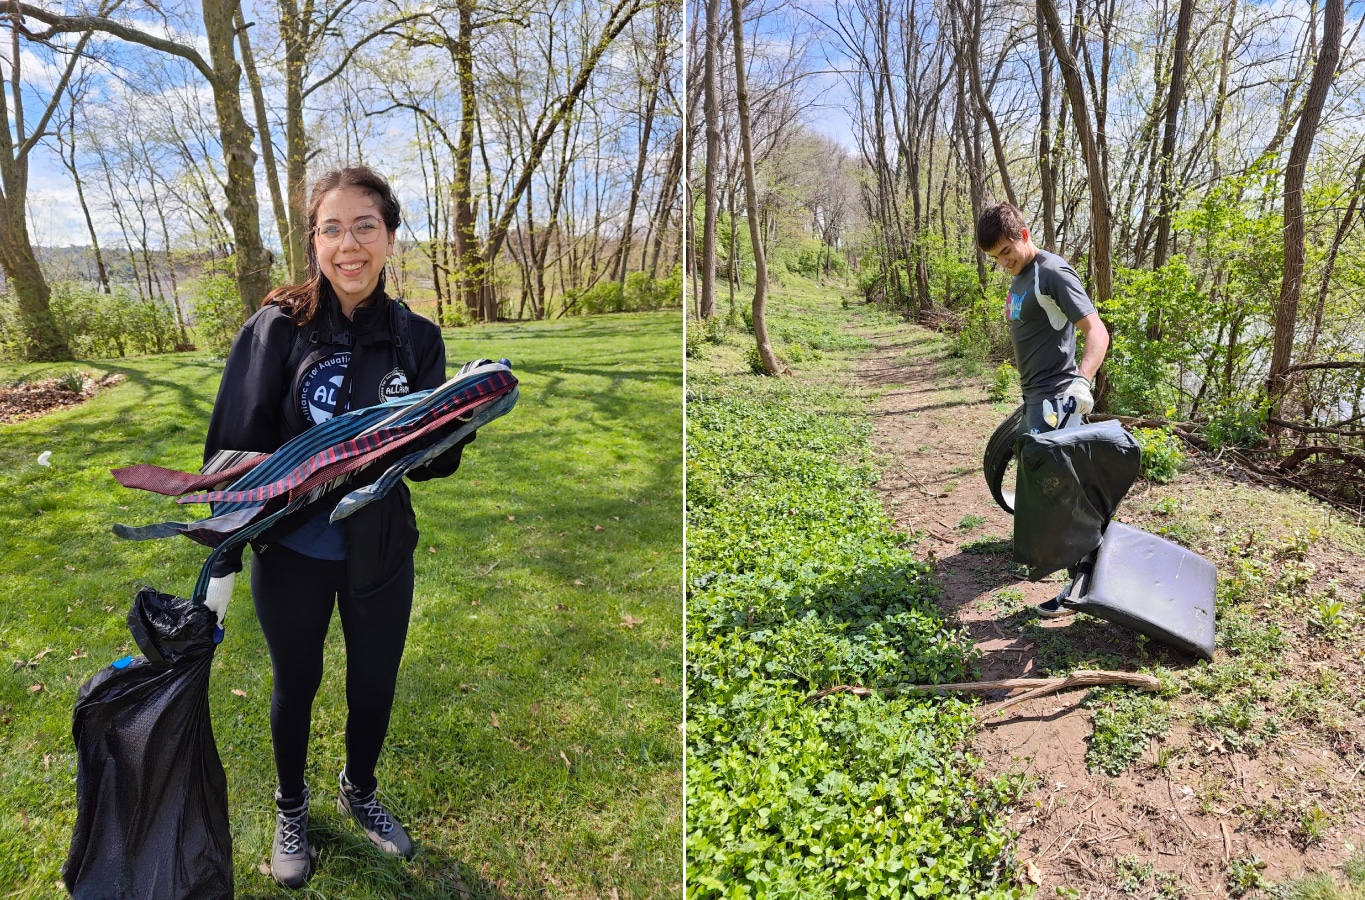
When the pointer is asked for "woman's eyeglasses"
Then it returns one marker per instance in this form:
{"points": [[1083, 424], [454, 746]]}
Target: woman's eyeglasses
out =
{"points": [[366, 231]]}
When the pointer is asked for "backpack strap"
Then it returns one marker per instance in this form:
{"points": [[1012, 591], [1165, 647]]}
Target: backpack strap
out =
{"points": [[308, 337], [400, 333]]}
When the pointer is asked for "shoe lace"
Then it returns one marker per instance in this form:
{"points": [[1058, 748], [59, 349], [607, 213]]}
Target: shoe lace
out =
{"points": [[375, 813], [291, 830]]}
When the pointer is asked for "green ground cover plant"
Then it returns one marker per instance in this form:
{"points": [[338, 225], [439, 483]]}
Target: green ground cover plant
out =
{"points": [[1162, 454], [534, 749], [797, 582]]}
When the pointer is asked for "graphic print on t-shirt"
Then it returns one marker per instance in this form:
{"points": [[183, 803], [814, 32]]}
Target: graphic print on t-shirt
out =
{"points": [[1015, 306], [319, 385]]}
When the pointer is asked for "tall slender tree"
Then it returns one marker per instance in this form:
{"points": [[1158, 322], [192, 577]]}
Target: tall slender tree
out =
{"points": [[1291, 288]]}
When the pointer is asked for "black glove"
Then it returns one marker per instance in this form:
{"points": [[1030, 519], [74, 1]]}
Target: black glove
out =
{"points": [[443, 465], [446, 464]]}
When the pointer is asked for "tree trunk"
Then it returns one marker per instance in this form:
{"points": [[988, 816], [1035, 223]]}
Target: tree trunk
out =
{"points": [[972, 60], [1047, 170], [1329, 265], [711, 197], [295, 138], [468, 268], [1101, 261], [272, 174], [253, 264], [647, 125], [102, 272], [1174, 98], [43, 341], [663, 215], [1287, 309], [1222, 95], [765, 350]]}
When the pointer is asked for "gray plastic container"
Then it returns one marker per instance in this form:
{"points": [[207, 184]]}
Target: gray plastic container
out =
{"points": [[1154, 587]]}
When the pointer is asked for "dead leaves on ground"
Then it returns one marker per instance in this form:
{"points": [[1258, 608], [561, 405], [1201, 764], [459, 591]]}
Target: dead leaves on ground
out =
{"points": [[35, 398]]}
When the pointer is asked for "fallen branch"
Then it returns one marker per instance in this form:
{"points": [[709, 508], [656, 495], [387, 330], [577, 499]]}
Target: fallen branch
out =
{"points": [[1186, 431], [1040, 686], [1304, 367], [1139, 422], [1081, 678], [1305, 428], [855, 690], [1301, 454]]}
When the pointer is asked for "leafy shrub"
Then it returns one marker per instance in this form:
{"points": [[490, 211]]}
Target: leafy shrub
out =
{"points": [[96, 325], [806, 258], [1144, 369], [692, 340], [1237, 421], [217, 310], [1162, 454], [647, 294], [876, 285], [714, 329], [640, 294], [798, 581], [754, 359], [71, 381], [1005, 384], [801, 353], [603, 297], [984, 334]]}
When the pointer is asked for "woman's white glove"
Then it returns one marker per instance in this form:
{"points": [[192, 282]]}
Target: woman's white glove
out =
{"points": [[1080, 389], [219, 593]]}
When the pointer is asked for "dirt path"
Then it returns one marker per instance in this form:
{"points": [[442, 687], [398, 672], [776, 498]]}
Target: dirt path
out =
{"points": [[1188, 816]]}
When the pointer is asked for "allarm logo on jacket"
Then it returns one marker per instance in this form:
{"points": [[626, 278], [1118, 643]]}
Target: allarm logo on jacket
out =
{"points": [[394, 385], [318, 388]]}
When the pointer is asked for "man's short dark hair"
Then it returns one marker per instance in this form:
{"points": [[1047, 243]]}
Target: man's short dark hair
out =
{"points": [[1002, 220]]}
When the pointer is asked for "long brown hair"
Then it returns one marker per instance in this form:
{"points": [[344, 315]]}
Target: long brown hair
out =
{"points": [[301, 301]]}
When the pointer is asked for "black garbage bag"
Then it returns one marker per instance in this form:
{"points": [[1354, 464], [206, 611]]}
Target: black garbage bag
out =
{"points": [[1068, 485], [151, 794]]}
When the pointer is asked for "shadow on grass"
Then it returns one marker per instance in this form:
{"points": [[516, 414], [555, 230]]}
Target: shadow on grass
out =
{"points": [[431, 875]]}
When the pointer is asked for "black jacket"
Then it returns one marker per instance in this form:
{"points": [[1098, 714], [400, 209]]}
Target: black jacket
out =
{"points": [[276, 378]]}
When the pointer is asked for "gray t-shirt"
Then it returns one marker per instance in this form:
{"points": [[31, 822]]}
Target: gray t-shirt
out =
{"points": [[1046, 300]]}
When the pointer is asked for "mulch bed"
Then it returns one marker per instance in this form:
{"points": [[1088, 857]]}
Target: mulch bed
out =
{"points": [[35, 398]]}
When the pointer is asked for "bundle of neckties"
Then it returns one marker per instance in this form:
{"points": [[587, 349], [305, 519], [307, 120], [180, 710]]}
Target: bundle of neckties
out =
{"points": [[252, 492]]}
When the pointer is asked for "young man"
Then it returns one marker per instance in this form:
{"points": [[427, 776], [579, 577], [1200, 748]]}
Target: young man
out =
{"points": [[1047, 305]]}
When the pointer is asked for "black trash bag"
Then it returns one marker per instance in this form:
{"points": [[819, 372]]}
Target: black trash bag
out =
{"points": [[151, 794], [1068, 485]]}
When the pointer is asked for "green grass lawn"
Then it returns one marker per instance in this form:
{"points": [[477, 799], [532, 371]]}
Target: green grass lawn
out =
{"points": [[534, 750]]}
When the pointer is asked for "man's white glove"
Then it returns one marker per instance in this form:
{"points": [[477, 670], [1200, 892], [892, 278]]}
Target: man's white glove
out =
{"points": [[1080, 389], [219, 593]]}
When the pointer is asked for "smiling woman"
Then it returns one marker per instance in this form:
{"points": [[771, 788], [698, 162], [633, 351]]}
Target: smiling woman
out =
{"points": [[334, 343]]}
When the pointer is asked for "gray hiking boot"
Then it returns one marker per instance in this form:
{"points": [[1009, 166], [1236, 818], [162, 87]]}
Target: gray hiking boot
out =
{"points": [[377, 822], [291, 860]]}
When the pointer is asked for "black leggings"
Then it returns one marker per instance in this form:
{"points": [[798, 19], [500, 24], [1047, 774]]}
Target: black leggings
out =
{"points": [[293, 594]]}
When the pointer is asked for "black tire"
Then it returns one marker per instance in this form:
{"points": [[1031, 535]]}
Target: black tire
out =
{"points": [[999, 452]]}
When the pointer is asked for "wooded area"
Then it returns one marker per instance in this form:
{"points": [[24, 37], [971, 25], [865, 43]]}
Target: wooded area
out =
{"points": [[537, 147], [1200, 162]]}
